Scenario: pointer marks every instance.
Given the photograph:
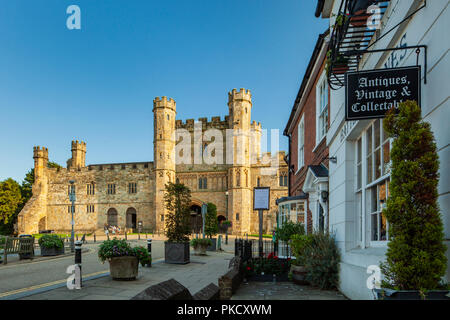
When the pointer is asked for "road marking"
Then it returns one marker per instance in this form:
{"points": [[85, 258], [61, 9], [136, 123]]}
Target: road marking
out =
{"points": [[48, 284]]}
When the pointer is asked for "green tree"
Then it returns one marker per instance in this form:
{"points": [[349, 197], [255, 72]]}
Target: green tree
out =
{"points": [[211, 222], [177, 198], [415, 259], [10, 200]]}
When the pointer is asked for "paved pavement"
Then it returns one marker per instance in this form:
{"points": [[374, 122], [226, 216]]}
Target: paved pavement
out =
{"points": [[283, 291], [21, 277], [196, 275]]}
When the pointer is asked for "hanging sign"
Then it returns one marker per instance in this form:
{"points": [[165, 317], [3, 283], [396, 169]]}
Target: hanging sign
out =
{"points": [[261, 198], [370, 94]]}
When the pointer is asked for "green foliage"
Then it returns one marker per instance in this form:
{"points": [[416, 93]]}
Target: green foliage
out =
{"points": [[177, 198], [299, 242], [288, 229], [211, 223], [49, 241], [226, 223], [201, 242], [143, 256], [415, 259], [269, 265], [10, 200], [121, 248], [321, 258]]}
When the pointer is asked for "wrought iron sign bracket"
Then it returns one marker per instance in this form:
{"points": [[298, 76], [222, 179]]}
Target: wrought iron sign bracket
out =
{"points": [[418, 47]]}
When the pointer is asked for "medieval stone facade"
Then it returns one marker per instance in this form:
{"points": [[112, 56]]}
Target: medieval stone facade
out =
{"points": [[219, 160]]}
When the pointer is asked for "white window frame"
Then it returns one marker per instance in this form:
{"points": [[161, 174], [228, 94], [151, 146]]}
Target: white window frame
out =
{"points": [[301, 144], [364, 214], [323, 82]]}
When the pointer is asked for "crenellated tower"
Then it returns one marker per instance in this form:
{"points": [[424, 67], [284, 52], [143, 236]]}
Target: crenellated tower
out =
{"points": [[40, 156], [33, 216], [240, 199], [78, 159], [164, 112]]}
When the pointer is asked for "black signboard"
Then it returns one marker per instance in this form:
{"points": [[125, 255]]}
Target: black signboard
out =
{"points": [[370, 94]]}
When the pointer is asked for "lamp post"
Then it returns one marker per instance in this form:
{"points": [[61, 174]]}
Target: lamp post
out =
{"points": [[204, 209], [226, 230], [72, 199]]}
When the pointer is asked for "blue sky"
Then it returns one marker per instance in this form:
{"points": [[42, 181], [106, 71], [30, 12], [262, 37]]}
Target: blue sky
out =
{"points": [[97, 84]]}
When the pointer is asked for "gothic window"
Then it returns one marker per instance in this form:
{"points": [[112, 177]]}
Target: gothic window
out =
{"points": [[90, 208], [178, 181], [111, 188], [237, 216], [258, 182], [238, 179], [90, 189], [283, 179], [132, 187], [203, 183]]}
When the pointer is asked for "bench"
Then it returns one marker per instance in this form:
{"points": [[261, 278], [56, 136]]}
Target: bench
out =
{"points": [[21, 246]]}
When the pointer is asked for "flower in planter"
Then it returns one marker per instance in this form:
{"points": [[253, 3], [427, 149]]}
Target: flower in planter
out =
{"points": [[120, 248]]}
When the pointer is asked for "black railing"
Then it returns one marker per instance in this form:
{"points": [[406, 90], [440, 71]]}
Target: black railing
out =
{"points": [[247, 249]]}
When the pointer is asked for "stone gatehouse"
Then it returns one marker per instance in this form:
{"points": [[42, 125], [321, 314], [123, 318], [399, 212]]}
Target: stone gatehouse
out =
{"points": [[124, 194]]}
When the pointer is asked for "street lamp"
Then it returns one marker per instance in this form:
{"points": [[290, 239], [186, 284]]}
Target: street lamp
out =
{"points": [[72, 199], [204, 209], [226, 230]]}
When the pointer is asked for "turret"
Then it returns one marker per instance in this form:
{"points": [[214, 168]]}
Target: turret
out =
{"points": [[240, 105], [40, 156], [78, 159], [164, 112]]}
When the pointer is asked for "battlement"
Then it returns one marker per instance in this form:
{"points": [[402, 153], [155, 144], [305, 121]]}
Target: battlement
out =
{"points": [[163, 102], [242, 94], [39, 152], [216, 122], [256, 125], [76, 145]]}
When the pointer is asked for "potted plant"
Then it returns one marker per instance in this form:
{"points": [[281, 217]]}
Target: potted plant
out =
{"points": [[298, 269], [211, 225], [415, 258], [200, 245], [123, 259], [177, 199], [51, 245], [321, 259]]}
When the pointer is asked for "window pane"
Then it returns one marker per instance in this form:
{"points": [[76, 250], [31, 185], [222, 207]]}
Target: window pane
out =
{"points": [[382, 227], [359, 146], [377, 163], [373, 199], [386, 157], [369, 169], [374, 226], [359, 180], [376, 127], [369, 141]]}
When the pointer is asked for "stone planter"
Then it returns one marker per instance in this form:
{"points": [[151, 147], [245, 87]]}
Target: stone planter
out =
{"points": [[124, 268], [176, 252], [387, 294], [200, 250], [51, 251], [299, 275], [213, 246]]}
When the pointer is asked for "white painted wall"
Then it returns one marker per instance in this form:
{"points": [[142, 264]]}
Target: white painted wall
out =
{"points": [[430, 26]]}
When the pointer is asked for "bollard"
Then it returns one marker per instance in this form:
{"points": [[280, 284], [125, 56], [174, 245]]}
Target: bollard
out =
{"points": [[126, 236], [149, 248], [78, 258], [95, 239]]}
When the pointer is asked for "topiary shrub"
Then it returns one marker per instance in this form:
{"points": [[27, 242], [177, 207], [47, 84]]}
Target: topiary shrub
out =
{"points": [[211, 223], [321, 258], [177, 198], [415, 259]]}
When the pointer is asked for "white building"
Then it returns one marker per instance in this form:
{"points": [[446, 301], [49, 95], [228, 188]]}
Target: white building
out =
{"points": [[358, 181]]}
